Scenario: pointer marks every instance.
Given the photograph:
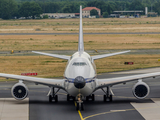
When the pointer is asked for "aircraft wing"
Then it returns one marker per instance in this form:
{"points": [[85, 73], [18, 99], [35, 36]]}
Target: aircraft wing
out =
{"points": [[53, 55], [108, 55], [59, 83], [100, 83]]}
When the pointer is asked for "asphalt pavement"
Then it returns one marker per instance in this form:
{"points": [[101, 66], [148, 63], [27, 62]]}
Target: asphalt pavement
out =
{"points": [[78, 33], [122, 107]]}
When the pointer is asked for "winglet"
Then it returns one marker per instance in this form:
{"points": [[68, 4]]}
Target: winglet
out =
{"points": [[80, 43]]}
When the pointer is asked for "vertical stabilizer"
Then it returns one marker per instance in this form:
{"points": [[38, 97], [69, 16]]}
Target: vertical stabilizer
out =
{"points": [[80, 43]]}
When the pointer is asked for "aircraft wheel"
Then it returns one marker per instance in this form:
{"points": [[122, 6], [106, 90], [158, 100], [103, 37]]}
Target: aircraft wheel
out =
{"points": [[73, 98], [68, 97], [77, 107], [104, 98], [110, 98], [93, 97], [82, 106], [56, 98], [50, 98], [87, 98]]}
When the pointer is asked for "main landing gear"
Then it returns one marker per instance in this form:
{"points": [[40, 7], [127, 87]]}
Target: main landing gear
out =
{"points": [[69, 97], [108, 95], [52, 95], [90, 97], [79, 103]]}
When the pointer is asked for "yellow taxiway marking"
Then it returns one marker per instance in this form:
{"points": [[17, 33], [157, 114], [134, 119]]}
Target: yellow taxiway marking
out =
{"points": [[124, 110], [115, 111], [112, 111], [79, 112]]}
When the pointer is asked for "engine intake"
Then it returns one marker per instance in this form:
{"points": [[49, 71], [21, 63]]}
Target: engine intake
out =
{"points": [[140, 90], [19, 91]]}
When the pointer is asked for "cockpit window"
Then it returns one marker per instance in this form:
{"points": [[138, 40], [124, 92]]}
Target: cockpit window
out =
{"points": [[79, 64]]}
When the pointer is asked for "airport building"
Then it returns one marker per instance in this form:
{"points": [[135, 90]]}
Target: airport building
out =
{"points": [[59, 15], [86, 11], [127, 14]]}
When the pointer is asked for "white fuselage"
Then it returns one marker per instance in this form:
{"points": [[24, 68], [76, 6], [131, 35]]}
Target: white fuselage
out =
{"points": [[80, 65]]}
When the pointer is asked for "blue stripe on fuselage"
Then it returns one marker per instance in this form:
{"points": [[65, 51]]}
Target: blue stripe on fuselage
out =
{"points": [[71, 80]]}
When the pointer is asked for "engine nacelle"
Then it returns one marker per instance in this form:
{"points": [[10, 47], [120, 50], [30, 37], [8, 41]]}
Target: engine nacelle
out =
{"points": [[19, 91], [140, 90]]}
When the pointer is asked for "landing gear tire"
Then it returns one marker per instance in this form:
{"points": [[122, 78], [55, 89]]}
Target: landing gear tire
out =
{"points": [[93, 97], [56, 98], [87, 98], [50, 98], [68, 97], [77, 107], [74, 98], [52, 95], [80, 106], [104, 98], [109, 98]]}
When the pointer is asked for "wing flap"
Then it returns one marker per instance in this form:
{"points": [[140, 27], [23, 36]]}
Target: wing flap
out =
{"points": [[53, 55], [108, 55], [113, 81], [59, 83]]}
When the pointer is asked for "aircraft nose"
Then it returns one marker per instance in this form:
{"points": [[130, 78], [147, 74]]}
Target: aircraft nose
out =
{"points": [[79, 82]]}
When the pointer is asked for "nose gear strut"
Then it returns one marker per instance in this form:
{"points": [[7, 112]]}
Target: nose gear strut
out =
{"points": [[80, 105]]}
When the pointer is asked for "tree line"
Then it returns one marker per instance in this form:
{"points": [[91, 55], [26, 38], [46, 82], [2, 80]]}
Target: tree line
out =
{"points": [[25, 8]]}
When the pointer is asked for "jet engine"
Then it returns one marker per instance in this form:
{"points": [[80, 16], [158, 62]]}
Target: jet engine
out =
{"points": [[19, 91], [140, 90]]}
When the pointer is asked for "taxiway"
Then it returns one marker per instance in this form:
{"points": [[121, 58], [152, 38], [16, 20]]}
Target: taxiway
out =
{"points": [[124, 106]]}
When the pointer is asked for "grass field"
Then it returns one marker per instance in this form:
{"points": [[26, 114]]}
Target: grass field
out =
{"points": [[89, 25], [51, 67], [70, 42]]}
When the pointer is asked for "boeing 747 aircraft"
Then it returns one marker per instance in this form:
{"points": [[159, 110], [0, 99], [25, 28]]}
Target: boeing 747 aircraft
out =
{"points": [[80, 81]]}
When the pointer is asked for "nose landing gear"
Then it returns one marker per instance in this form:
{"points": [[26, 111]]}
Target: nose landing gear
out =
{"points": [[79, 105]]}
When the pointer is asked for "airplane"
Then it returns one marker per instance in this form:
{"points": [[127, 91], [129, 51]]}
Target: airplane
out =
{"points": [[80, 78]]}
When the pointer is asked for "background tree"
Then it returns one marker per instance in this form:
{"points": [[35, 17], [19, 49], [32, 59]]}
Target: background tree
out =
{"points": [[156, 7], [93, 12], [136, 5], [105, 14], [7, 9], [45, 16], [30, 9]]}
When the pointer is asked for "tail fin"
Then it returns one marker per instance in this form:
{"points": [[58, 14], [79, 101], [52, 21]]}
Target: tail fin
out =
{"points": [[80, 42]]}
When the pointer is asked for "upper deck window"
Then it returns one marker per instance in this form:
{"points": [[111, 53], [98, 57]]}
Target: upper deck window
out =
{"points": [[79, 64]]}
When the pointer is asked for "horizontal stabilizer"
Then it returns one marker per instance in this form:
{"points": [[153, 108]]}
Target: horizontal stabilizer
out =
{"points": [[108, 55], [53, 55]]}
